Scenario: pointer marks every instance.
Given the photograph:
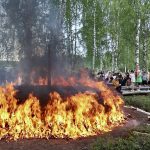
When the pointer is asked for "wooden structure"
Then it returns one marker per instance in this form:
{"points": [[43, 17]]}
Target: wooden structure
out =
{"points": [[128, 90]]}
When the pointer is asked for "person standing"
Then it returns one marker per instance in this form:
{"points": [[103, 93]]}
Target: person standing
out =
{"points": [[132, 76], [139, 77], [148, 78], [144, 78]]}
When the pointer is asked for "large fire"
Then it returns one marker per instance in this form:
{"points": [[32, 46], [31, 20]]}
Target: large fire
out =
{"points": [[80, 115]]}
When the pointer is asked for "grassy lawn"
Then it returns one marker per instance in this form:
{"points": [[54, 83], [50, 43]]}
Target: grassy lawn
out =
{"points": [[140, 101], [137, 139]]}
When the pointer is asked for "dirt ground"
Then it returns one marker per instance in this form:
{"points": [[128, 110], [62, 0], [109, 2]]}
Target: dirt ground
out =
{"points": [[134, 118]]}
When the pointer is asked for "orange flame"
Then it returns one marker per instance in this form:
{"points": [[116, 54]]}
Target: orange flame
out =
{"points": [[79, 115]]}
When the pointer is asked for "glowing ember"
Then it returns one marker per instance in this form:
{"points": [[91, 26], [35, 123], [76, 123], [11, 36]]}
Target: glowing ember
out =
{"points": [[79, 115]]}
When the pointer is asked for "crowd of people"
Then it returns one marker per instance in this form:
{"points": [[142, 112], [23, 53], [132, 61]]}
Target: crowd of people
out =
{"points": [[131, 78]]}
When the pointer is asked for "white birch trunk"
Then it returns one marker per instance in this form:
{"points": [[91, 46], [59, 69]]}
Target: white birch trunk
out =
{"points": [[128, 60], [125, 68], [113, 57], [116, 56], [101, 59], [137, 50], [117, 43], [116, 62], [75, 37], [145, 55], [94, 35]]}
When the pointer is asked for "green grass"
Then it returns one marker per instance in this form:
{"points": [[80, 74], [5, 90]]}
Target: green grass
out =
{"points": [[139, 101], [136, 140]]}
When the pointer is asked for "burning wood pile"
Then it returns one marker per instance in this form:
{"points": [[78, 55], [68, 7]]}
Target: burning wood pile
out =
{"points": [[82, 114]]}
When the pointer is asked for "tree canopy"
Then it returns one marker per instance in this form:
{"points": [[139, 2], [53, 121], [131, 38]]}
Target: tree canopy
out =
{"points": [[104, 34]]}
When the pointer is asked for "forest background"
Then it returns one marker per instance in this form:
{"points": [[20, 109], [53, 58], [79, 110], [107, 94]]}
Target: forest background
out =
{"points": [[99, 34]]}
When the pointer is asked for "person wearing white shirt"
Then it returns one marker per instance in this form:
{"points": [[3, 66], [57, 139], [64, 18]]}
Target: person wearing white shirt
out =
{"points": [[132, 76]]}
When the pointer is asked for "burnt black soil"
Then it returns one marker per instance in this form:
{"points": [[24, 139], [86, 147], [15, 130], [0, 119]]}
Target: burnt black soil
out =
{"points": [[42, 92]]}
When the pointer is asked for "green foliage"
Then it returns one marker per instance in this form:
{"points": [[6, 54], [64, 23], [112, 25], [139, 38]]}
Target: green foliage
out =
{"points": [[116, 20], [142, 102], [115, 25]]}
